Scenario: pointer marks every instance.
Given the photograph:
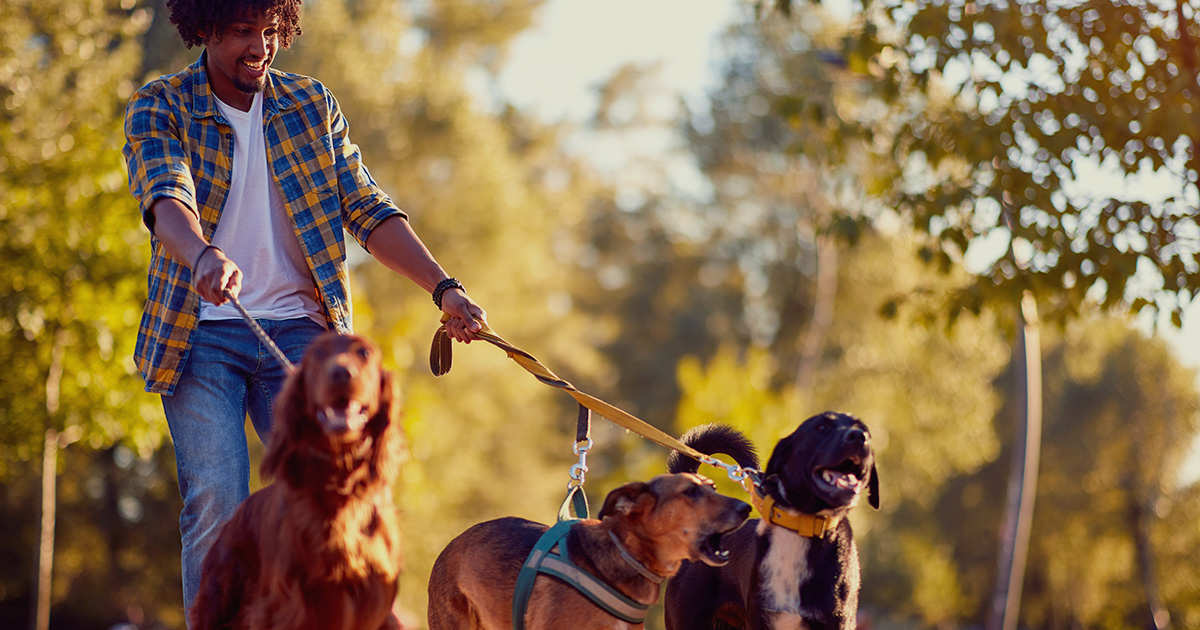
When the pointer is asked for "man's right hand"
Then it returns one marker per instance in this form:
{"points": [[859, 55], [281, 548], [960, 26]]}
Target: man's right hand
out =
{"points": [[215, 274]]}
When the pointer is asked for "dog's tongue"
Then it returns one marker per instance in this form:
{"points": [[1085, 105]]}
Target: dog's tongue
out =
{"points": [[844, 481]]}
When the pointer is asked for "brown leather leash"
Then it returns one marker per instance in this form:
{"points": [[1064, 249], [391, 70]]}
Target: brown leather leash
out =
{"points": [[441, 357]]}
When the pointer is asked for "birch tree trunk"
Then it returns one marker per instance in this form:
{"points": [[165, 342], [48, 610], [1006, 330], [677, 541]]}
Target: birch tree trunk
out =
{"points": [[1022, 485]]}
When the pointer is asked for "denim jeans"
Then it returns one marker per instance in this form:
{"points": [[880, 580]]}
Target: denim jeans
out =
{"points": [[229, 373]]}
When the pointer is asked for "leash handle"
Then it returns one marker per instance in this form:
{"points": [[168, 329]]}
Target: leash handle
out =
{"points": [[262, 334]]}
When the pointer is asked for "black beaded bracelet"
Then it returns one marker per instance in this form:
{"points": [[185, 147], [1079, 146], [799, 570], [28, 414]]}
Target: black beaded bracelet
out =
{"points": [[201, 255], [448, 283]]}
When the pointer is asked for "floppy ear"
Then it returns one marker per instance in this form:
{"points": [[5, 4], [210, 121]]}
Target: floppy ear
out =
{"points": [[628, 499], [289, 410], [385, 427], [873, 488], [779, 456], [388, 403]]}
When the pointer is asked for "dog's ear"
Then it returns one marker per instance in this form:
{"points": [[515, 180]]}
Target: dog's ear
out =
{"points": [[289, 412], [390, 448], [773, 485], [630, 498], [779, 456], [388, 403], [873, 488]]}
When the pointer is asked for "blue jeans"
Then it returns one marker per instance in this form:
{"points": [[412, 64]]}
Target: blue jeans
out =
{"points": [[229, 373]]}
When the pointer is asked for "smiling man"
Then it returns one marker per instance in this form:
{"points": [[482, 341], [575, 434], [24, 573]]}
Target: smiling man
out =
{"points": [[248, 182]]}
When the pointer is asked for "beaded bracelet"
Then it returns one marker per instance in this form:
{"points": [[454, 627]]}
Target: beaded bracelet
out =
{"points": [[442, 287]]}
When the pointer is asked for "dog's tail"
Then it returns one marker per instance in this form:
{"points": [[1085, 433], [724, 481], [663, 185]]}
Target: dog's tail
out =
{"points": [[712, 439]]}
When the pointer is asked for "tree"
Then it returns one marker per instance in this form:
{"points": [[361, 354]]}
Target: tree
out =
{"points": [[1120, 412], [68, 297], [1068, 129]]}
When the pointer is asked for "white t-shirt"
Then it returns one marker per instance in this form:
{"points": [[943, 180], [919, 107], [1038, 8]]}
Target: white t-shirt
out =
{"points": [[256, 232]]}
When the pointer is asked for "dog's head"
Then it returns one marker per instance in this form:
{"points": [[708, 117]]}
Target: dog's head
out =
{"points": [[672, 518], [826, 464], [338, 400]]}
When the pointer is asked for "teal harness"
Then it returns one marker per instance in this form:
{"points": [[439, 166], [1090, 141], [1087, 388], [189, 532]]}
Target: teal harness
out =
{"points": [[549, 556]]}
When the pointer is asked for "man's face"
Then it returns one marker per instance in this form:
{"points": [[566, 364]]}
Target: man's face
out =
{"points": [[238, 58]]}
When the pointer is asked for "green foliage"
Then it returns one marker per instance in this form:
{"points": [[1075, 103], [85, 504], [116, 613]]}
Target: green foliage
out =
{"points": [[1119, 414], [1062, 133], [68, 229]]}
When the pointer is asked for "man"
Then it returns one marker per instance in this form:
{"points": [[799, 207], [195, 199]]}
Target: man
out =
{"points": [[248, 181]]}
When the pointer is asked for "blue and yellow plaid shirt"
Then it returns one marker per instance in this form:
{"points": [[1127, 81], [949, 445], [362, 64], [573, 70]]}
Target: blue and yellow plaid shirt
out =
{"points": [[178, 145]]}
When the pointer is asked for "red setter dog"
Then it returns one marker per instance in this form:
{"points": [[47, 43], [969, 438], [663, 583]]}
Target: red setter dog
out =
{"points": [[318, 549]]}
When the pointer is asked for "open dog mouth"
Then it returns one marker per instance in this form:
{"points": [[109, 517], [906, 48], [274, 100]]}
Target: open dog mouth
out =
{"points": [[343, 416], [711, 552], [844, 479]]}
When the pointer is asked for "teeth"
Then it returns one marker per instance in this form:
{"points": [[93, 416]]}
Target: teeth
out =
{"points": [[848, 481], [723, 554]]}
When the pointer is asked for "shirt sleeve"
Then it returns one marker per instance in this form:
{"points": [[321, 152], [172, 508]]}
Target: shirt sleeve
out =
{"points": [[154, 155], [364, 204]]}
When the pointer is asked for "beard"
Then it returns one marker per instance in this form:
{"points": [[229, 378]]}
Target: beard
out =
{"points": [[251, 87]]}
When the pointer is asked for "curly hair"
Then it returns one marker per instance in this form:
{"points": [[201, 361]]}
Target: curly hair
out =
{"points": [[197, 19]]}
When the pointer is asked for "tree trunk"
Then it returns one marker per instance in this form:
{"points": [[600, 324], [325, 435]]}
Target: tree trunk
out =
{"points": [[1022, 484], [40, 617], [813, 343], [1141, 515]]}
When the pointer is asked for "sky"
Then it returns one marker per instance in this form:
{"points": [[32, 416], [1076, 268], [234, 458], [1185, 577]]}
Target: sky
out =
{"points": [[554, 68]]}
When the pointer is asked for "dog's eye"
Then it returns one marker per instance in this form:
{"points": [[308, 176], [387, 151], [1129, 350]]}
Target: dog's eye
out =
{"points": [[364, 352], [694, 492]]}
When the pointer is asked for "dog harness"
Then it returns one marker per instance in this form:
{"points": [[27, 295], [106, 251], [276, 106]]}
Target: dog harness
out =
{"points": [[549, 556], [809, 525]]}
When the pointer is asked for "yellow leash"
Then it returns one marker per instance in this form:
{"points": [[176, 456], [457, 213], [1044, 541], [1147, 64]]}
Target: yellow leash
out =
{"points": [[440, 356]]}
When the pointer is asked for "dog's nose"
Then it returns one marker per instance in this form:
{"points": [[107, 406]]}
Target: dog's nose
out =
{"points": [[743, 510], [856, 436], [341, 374]]}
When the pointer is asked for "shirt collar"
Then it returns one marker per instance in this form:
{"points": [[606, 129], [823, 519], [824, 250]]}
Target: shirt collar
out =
{"points": [[204, 102]]}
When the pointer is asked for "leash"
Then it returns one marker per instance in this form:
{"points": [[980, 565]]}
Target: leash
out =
{"points": [[262, 334], [440, 360]]}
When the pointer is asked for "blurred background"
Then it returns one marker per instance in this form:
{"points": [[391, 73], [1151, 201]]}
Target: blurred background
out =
{"points": [[697, 210]]}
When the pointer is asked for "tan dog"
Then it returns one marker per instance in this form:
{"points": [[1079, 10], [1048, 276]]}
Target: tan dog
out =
{"points": [[318, 549], [657, 524]]}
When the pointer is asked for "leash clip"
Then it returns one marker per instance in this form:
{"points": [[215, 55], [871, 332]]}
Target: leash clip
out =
{"points": [[747, 478], [581, 449]]}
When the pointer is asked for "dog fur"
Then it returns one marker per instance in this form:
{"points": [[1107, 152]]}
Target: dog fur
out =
{"points": [[661, 523], [318, 549], [777, 579]]}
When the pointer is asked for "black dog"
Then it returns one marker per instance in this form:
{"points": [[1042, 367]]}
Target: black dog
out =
{"points": [[798, 566]]}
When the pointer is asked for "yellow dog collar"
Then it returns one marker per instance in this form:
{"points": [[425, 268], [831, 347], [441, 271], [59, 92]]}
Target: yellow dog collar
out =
{"points": [[808, 525]]}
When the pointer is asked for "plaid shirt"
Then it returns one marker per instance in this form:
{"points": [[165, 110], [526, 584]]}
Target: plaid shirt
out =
{"points": [[179, 146]]}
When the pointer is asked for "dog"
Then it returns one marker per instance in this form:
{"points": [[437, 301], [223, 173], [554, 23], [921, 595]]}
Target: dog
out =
{"points": [[319, 548], [644, 532], [797, 569]]}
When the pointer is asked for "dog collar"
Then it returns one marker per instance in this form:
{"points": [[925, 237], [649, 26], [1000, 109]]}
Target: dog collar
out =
{"points": [[633, 562], [808, 525]]}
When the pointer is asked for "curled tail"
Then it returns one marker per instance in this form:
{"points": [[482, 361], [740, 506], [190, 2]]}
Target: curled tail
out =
{"points": [[712, 439]]}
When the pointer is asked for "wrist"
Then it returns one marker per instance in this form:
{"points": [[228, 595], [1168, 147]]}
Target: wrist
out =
{"points": [[442, 287], [200, 256]]}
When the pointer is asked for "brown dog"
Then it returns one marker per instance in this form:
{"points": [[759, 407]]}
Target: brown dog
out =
{"points": [[318, 549], [656, 525]]}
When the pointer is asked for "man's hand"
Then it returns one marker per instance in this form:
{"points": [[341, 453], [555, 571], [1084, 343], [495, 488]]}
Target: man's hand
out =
{"points": [[466, 316], [214, 274]]}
